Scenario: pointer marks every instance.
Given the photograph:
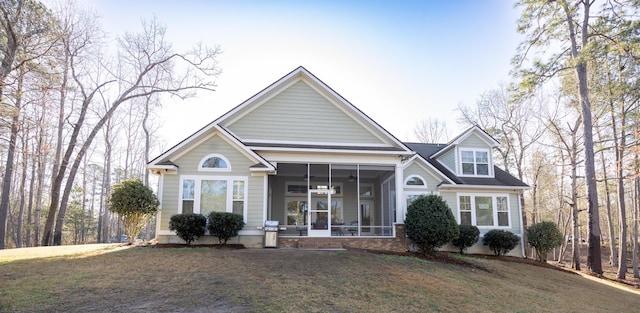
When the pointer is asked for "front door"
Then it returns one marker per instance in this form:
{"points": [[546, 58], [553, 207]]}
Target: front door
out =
{"points": [[320, 200], [320, 213]]}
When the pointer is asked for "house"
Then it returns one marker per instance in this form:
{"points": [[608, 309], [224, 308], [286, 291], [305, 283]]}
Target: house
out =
{"points": [[299, 153]]}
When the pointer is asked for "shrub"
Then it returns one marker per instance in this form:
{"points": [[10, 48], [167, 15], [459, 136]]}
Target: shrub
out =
{"points": [[225, 225], [430, 223], [467, 237], [188, 226], [135, 205], [501, 241], [544, 236]]}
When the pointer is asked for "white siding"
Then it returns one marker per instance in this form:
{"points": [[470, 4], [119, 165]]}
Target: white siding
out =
{"points": [[301, 114]]}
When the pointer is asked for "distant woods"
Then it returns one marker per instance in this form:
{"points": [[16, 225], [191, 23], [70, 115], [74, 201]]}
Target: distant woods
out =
{"points": [[78, 115], [569, 125]]}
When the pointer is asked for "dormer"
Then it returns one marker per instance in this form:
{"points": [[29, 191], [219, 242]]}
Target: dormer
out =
{"points": [[469, 155]]}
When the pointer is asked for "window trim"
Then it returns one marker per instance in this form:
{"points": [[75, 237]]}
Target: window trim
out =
{"points": [[490, 172], [425, 186], [494, 202], [229, 199], [338, 191], [210, 169]]}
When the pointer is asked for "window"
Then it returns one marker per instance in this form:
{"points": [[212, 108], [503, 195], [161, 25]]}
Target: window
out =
{"points": [[484, 210], [474, 162], [415, 181], [301, 189], [238, 197], [213, 196], [188, 192], [214, 162], [465, 210], [366, 190], [204, 194], [297, 212]]}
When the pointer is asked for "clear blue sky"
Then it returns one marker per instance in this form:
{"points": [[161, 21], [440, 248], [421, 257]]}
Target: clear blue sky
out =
{"points": [[399, 62]]}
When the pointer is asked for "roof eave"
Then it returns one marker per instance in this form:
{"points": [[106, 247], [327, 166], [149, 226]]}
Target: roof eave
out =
{"points": [[478, 187]]}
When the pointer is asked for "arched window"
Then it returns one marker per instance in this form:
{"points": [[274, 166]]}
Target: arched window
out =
{"points": [[415, 181], [214, 162]]}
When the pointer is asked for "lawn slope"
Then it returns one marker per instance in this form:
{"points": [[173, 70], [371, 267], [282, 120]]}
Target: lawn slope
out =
{"points": [[144, 279]]}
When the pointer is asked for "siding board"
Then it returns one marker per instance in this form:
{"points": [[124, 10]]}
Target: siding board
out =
{"points": [[299, 113]]}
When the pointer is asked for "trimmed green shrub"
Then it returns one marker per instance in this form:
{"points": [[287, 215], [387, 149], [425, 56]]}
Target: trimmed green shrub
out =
{"points": [[430, 223], [500, 241], [225, 225], [135, 205], [544, 236], [467, 237], [188, 226]]}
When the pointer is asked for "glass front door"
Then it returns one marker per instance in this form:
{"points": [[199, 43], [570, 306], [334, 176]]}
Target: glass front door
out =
{"points": [[320, 198]]}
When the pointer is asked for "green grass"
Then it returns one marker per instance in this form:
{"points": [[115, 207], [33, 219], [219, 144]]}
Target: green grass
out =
{"points": [[140, 279]]}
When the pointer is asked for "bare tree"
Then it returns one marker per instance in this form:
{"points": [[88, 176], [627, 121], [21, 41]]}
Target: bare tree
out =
{"points": [[431, 130], [146, 66], [24, 24], [514, 122], [569, 139]]}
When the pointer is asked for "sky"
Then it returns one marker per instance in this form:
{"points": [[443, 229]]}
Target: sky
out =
{"points": [[398, 61]]}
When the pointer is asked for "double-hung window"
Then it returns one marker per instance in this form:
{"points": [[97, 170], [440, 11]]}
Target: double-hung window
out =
{"points": [[205, 194], [484, 210], [474, 162]]}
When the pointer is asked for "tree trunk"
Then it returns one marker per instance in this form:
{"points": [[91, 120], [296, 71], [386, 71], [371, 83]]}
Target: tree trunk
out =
{"points": [[57, 163], [594, 256], [34, 149], [6, 180], [39, 190], [575, 232], [23, 183], [636, 272], [147, 144], [622, 215], [107, 180], [613, 256]]}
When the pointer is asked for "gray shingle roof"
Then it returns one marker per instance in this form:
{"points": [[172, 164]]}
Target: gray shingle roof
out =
{"points": [[501, 178]]}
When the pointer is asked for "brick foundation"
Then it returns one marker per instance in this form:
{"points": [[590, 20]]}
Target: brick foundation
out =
{"points": [[396, 243]]}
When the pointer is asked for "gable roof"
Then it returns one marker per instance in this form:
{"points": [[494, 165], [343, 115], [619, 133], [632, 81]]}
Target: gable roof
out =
{"points": [[501, 178], [163, 161], [387, 140], [393, 145], [475, 129]]}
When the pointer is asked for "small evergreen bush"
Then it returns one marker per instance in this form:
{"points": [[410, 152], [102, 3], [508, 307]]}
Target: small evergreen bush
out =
{"points": [[430, 223], [500, 241], [188, 226], [544, 236], [467, 237], [225, 225]]}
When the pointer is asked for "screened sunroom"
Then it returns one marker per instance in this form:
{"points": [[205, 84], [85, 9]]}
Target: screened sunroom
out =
{"points": [[329, 200]]}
